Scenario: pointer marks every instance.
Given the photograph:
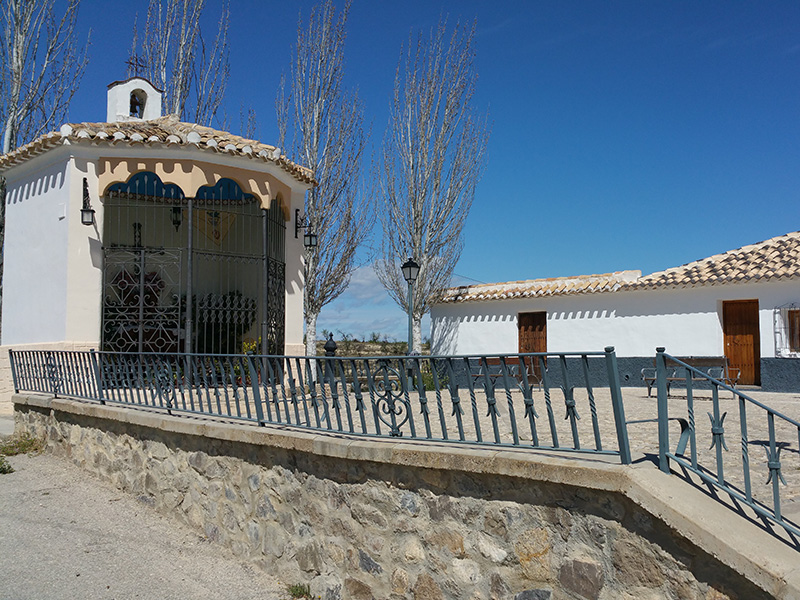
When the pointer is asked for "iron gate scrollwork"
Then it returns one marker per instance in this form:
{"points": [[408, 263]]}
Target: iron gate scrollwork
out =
{"points": [[276, 306], [141, 300], [393, 407]]}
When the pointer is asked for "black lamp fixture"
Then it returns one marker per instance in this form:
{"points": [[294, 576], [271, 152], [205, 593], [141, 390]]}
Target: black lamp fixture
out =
{"points": [[309, 237], [87, 212], [410, 270], [177, 217]]}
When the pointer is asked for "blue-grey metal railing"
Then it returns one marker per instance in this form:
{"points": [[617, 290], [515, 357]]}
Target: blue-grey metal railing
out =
{"points": [[752, 480], [513, 400]]}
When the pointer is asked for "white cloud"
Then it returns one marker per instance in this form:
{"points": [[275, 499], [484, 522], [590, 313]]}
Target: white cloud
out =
{"points": [[365, 307]]}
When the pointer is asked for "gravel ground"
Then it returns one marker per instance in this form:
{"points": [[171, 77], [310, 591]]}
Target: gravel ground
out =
{"points": [[66, 534]]}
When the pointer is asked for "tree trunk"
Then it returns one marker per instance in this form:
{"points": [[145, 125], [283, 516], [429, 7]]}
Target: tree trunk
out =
{"points": [[416, 335], [311, 334], [8, 135]]}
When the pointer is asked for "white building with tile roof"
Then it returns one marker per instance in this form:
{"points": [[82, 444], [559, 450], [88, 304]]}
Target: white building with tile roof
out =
{"points": [[187, 247], [744, 304]]}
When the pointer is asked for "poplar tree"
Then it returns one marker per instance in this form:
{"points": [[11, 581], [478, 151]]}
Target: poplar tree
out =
{"points": [[434, 152], [322, 123]]}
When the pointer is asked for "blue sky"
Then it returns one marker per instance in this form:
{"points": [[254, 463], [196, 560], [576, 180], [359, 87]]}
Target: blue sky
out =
{"points": [[625, 134]]}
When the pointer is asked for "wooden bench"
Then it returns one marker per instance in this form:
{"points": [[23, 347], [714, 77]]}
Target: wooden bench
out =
{"points": [[716, 367]]}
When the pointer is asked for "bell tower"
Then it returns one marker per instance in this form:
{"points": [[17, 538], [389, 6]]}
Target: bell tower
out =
{"points": [[134, 99]]}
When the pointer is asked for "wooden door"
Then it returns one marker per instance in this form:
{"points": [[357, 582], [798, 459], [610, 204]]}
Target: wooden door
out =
{"points": [[532, 332], [742, 340], [533, 338]]}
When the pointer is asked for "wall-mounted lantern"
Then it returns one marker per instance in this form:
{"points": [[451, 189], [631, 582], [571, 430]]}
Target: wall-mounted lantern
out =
{"points": [[177, 217], [309, 237], [87, 212]]}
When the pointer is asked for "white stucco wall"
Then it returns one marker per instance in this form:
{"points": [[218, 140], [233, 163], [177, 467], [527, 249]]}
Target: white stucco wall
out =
{"points": [[293, 334], [118, 100], [686, 321], [85, 249], [38, 221]]}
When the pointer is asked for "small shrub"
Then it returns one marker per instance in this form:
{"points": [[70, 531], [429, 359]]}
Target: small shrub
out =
{"points": [[5, 466], [22, 444], [299, 590]]}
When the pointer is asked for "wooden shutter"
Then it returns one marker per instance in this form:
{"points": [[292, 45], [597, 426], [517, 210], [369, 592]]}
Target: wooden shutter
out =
{"points": [[793, 327]]}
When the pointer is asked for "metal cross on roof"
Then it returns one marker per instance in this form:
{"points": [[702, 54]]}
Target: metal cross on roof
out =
{"points": [[136, 65]]}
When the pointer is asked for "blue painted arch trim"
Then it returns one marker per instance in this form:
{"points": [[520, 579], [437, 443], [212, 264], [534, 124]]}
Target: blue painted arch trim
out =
{"points": [[147, 183], [224, 189]]}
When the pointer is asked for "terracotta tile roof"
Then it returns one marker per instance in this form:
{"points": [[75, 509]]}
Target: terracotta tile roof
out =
{"points": [[164, 131], [775, 258], [556, 286]]}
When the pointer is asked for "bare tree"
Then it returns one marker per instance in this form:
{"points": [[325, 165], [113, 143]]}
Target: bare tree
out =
{"points": [[41, 67], [326, 124], [433, 156], [174, 57]]}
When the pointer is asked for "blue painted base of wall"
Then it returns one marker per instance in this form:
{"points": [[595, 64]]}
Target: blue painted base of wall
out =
{"points": [[780, 374], [777, 374]]}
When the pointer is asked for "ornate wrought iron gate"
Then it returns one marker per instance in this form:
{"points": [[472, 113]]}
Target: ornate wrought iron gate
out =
{"points": [[141, 303], [203, 274]]}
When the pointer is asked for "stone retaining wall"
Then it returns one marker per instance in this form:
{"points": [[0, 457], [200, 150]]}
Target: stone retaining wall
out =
{"points": [[374, 519]]}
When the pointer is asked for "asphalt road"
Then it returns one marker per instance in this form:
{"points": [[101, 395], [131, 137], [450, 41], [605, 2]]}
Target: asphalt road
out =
{"points": [[66, 534]]}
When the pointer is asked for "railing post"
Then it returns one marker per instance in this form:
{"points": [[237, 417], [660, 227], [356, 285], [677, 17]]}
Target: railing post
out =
{"points": [[98, 379], [256, 387], [52, 372], [617, 405], [663, 410], [11, 361]]}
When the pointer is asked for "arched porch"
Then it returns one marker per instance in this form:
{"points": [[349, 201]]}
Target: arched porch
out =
{"points": [[192, 270]]}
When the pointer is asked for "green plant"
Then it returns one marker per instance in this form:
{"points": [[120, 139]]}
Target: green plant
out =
{"points": [[299, 590], [428, 380], [251, 345], [21, 444]]}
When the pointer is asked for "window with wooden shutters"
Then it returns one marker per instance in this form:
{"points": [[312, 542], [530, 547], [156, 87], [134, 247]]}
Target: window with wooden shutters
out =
{"points": [[787, 331], [794, 329]]}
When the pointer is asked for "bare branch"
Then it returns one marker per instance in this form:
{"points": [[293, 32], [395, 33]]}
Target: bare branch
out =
{"points": [[433, 156], [212, 72], [248, 124], [178, 60]]}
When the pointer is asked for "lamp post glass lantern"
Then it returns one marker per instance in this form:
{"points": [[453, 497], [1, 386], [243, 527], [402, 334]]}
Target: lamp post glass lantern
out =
{"points": [[87, 212], [410, 270], [303, 222], [310, 240]]}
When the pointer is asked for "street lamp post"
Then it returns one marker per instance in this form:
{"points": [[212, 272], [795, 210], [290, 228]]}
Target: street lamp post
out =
{"points": [[410, 271]]}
